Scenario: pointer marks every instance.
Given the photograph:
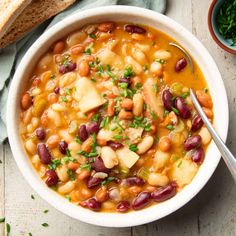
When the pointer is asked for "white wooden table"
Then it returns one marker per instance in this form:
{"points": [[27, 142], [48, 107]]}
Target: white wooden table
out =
{"points": [[211, 212]]}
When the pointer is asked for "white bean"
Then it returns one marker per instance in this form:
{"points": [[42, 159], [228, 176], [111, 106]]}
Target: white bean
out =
{"points": [[137, 104], [139, 56], [109, 157], [135, 65], [30, 146], [157, 179], [206, 136], [74, 147], [145, 144], [58, 107], [156, 68], [66, 188], [65, 135], [162, 54], [161, 159], [55, 117], [62, 173]]}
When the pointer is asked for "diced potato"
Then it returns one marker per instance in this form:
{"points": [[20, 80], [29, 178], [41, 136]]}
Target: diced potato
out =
{"points": [[137, 68], [107, 57], [75, 38], [160, 159], [183, 172], [134, 135], [127, 158], [87, 95], [152, 99]]}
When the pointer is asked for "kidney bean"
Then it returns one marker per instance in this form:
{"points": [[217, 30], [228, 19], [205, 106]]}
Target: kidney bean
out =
{"points": [[83, 134], [197, 123], [164, 193], [167, 99], [126, 80], [44, 154], [114, 145], [198, 155], [98, 165], [93, 204], [93, 182], [134, 29], [123, 206], [67, 68], [56, 90], [180, 64], [142, 200], [184, 110], [40, 133], [93, 127], [134, 181], [52, 178], [192, 142], [63, 145]]}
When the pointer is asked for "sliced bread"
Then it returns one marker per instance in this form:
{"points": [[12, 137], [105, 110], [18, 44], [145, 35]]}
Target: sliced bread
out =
{"points": [[34, 14]]}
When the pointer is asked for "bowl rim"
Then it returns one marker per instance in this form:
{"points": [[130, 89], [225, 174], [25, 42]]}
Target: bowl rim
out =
{"points": [[212, 32], [96, 218]]}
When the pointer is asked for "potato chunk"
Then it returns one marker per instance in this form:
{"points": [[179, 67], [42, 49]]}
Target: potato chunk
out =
{"points": [[87, 95], [183, 172], [127, 158]]}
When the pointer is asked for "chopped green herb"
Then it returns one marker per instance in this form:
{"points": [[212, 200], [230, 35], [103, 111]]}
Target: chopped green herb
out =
{"points": [[105, 122], [85, 166], [32, 196], [45, 211], [64, 98], [107, 180], [153, 114], [128, 72], [0, 161], [88, 50], [67, 159], [226, 20], [30, 234], [179, 164], [91, 64], [161, 61], [2, 220], [93, 80], [93, 36], [145, 68], [155, 88], [68, 152], [166, 112], [175, 110], [45, 224], [206, 89], [144, 106], [175, 158], [184, 95], [68, 198], [133, 147], [8, 229], [53, 76], [71, 174], [68, 91], [54, 164], [138, 85], [117, 137], [170, 127], [77, 140], [123, 85]]}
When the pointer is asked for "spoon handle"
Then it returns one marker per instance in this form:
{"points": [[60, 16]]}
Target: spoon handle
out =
{"points": [[225, 152]]}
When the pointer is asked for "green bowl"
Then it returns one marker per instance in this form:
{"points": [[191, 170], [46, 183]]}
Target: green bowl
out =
{"points": [[226, 44]]}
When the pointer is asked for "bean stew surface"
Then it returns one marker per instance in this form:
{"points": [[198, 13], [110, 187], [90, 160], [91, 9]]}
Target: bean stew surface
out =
{"points": [[107, 120]]}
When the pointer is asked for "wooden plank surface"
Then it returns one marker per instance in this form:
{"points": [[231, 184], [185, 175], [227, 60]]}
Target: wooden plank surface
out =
{"points": [[211, 212]]}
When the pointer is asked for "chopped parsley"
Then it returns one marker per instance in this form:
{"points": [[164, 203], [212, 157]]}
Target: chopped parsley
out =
{"points": [[184, 95], [86, 166], [138, 85], [128, 72], [153, 114], [2, 220], [96, 117], [141, 122], [175, 110], [93, 36], [68, 152], [30, 234], [161, 61], [155, 88], [108, 180], [105, 122], [64, 98], [45, 211], [71, 174], [77, 140], [53, 76], [68, 198], [133, 147], [67, 159], [179, 164], [88, 50], [45, 224], [54, 164], [145, 68], [170, 127], [118, 137], [8, 229], [32, 196]]}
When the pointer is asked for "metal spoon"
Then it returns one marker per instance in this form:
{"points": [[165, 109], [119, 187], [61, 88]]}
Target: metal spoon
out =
{"points": [[225, 152], [228, 157], [190, 61]]}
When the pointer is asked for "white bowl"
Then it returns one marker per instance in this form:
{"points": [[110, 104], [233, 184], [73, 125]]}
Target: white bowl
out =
{"points": [[124, 14]]}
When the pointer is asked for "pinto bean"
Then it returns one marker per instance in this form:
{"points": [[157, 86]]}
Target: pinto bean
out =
{"points": [[83, 68], [101, 195], [208, 112], [26, 101], [58, 47], [125, 115], [106, 26], [111, 108], [137, 104], [204, 99], [145, 144], [164, 144], [53, 141], [127, 104], [84, 174]]}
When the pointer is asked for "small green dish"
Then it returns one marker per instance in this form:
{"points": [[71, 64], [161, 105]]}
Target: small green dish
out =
{"points": [[226, 44]]}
